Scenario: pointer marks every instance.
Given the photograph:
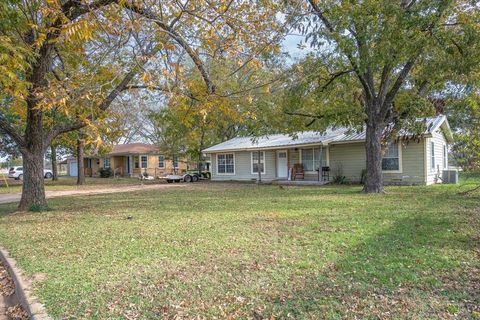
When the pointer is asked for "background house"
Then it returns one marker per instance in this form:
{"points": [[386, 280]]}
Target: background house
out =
{"points": [[408, 161], [129, 160]]}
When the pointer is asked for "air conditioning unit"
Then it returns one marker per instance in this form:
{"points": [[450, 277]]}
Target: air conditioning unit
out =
{"points": [[450, 176]]}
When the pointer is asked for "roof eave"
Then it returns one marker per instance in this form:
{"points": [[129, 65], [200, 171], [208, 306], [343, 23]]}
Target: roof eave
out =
{"points": [[290, 146]]}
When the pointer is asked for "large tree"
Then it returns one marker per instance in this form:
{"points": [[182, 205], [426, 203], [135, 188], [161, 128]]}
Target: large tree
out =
{"points": [[77, 56], [381, 62], [193, 121]]}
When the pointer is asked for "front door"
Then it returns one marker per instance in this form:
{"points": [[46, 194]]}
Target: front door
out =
{"points": [[282, 164]]}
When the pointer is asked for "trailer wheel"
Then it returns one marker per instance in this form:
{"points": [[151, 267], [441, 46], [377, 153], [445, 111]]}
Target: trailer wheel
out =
{"points": [[188, 178], [169, 181], [195, 178]]}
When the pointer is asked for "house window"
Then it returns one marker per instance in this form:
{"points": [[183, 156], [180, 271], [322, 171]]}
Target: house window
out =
{"points": [[311, 158], [106, 163], [136, 162], [255, 165], [226, 163], [432, 155], [445, 159], [161, 161], [175, 161], [144, 160], [391, 158]]}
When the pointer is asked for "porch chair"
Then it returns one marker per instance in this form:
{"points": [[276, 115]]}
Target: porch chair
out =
{"points": [[298, 171]]}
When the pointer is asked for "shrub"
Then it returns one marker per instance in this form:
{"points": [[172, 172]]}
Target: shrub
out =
{"points": [[338, 176], [105, 172], [340, 180]]}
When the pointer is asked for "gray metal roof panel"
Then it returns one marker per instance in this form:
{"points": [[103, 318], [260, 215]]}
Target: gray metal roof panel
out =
{"points": [[308, 137]]}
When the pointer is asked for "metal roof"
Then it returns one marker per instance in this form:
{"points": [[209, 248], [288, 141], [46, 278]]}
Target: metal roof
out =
{"points": [[330, 136]]}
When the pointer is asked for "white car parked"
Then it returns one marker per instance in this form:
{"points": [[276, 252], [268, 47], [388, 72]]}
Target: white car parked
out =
{"points": [[17, 173]]}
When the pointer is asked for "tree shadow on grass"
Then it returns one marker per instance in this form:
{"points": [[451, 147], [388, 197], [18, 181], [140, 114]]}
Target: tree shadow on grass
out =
{"points": [[421, 266]]}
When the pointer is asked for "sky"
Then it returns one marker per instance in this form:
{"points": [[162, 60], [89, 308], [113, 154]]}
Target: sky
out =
{"points": [[290, 45]]}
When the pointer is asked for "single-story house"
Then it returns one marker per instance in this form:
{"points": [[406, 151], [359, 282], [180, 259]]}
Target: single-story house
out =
{"points": [[339, 151], [129, 160]]}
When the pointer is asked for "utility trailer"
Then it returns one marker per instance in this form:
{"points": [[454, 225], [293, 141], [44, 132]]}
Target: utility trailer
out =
{"points": [[187, 177]]}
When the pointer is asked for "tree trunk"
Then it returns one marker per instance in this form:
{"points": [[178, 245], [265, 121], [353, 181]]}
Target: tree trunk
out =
{"points": [[373, 146], [53, 150], [33, 192], [200, 157], [80, 162], [199, 163]]}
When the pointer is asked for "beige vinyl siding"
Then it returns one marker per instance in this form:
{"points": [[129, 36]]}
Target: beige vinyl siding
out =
{"points": [[243, 167], [438, 138], [347, 159], [350, 159], [293, 156], [412, 158]]}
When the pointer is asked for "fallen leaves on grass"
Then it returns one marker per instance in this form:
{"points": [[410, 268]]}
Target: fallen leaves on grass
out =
{"points": [[17, 313], [7, 287]]}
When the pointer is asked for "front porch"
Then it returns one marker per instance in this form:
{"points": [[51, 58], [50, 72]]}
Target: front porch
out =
{"points": [[308, 165], [126, 166]]}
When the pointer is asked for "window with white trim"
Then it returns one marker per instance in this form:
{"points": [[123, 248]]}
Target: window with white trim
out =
{"points": [[225, 163], [144, 161], [311, 158], [445, 158], [255, 165], [136, 162], [391, 158], [161, 161], [106, 163], [432, 155]]}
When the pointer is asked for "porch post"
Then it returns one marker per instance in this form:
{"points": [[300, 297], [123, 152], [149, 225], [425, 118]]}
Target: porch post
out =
{"points": [[130, 161], [320, 163], [258, 167]]}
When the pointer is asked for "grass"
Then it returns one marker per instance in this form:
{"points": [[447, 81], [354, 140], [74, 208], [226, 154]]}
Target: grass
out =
{"points": [[70, 183], [248, 251]]}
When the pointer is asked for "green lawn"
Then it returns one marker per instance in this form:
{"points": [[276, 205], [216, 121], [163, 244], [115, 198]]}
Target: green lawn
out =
{"points": [[70, 183], [247, 251]]}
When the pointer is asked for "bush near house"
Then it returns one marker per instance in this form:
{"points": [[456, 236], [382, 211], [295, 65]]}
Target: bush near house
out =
{"points": [[105, 172]]}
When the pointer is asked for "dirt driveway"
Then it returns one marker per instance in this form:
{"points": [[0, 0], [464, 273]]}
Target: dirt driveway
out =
{"points": [[15, 197]]}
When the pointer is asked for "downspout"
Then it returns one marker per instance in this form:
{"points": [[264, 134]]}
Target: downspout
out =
{"points": [[425, 157]]}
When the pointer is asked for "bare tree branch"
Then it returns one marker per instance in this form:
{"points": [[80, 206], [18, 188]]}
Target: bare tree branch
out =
{"points": [[321, 15], [12, 132], [334, 77], [106, 102], [178, 38], [74, 8], [368, 90], [400, 80], [301, 114]]}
